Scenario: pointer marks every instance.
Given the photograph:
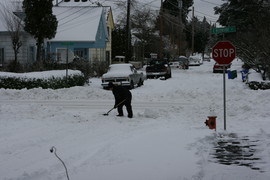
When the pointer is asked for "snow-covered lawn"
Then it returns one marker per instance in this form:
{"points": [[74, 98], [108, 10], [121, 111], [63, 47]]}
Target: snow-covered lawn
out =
{"points": [[166, 140]]}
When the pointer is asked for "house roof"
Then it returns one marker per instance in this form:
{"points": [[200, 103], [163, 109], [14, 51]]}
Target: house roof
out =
{"points": [[88, 3], [73, 3], [77, 23], [7, 7]]}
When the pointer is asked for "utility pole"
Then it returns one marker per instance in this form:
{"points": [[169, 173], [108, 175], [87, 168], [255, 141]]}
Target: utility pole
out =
{"points": [[161, 31], [128, 55], [192, 30], [180, 23]]}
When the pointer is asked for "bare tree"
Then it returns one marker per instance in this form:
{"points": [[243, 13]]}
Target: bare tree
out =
{"points": [[13, 25], [143, 27]]}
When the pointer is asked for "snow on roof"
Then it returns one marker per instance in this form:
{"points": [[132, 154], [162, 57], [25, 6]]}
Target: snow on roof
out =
{"points": [[113, 5], [77, 23], [88, 3], [7, 7], [73, 3]]}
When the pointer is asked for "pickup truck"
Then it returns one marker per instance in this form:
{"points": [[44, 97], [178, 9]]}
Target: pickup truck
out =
{"points": [[158, 68]]}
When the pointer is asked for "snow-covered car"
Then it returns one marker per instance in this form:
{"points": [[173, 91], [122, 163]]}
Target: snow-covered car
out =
{"points": [[124, 75], [217, 68], [174, 64], [206, 58], [194, 61]]}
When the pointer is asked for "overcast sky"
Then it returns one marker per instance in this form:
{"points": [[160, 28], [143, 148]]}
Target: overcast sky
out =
{"points": [[201, 7], [206, 8]]}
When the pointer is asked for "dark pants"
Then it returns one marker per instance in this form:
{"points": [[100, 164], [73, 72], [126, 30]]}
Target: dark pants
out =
{"points": [[127, 103]]}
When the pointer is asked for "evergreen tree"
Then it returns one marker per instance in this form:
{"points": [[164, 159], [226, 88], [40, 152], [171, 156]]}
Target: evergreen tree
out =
{"points": [[119, 41], [251, 18], [201, 34], [39, 21]]}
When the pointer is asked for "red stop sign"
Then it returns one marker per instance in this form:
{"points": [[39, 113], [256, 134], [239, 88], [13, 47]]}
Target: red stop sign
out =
{"points": [[223, 52]]}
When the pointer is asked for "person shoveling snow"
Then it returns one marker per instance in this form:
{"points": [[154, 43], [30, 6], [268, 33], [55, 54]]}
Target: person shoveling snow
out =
{"points": [[122, 97]]}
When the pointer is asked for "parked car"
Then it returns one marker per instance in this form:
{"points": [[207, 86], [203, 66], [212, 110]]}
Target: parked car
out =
{"points": [[118, 59], [124, 75], [206, 58], [158, 68], [183, 61], [194, 61], [217, 68], [174, 64]]}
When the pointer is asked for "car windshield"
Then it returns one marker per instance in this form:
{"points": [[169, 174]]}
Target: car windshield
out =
{"points": [[120, 68], [157, 62], [183, 59]]}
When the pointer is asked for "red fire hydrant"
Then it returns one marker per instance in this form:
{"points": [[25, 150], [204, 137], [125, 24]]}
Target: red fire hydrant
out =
{"points": [[211, 122]]}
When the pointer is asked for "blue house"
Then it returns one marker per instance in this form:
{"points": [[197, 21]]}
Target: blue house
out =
{"points": [[82, 32]]}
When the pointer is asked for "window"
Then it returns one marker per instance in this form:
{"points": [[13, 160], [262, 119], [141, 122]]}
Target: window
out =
{"points": [[80, 52], [108, 29], [108, 56], [1, 56], [98, 54]]}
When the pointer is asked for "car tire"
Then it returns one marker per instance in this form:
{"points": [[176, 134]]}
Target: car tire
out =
{"points": [[140, 83], [131, 85], [167, 76]]}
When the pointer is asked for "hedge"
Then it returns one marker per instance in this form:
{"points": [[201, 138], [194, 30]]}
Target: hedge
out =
{"points": [[13, 82], [258, 85]]}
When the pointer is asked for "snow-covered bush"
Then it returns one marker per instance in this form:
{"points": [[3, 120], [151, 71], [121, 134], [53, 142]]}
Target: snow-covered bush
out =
{"points": [[255, 85], [45, 80]]}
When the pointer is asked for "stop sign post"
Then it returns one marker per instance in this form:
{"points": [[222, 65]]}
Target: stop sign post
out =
{"points": [[224, 52]]}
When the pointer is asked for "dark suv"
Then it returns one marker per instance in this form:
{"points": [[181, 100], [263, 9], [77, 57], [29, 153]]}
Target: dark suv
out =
{"points": [[158, 68]]}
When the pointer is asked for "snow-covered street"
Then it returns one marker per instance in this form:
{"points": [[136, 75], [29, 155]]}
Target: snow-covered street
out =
{"points": [[166, 140]]}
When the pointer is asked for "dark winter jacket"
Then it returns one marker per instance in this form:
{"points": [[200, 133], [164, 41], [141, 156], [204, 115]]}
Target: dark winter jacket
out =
{"points": [[120, 93]]}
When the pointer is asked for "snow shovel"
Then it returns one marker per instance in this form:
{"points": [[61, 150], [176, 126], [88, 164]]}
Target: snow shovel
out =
{"points": [[106, 114]]}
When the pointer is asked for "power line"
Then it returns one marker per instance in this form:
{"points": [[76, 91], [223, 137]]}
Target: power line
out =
{"points": [[206, 14], [210, 2], [86, 10]]}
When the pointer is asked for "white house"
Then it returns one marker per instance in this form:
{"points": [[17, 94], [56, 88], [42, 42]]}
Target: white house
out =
{"points": [[27, 52]]}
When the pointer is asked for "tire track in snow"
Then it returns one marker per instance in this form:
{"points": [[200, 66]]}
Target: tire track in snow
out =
{"points": [[96, 104]]}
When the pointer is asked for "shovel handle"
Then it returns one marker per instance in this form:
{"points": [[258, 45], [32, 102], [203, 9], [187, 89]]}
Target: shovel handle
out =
{"points": [[115, 107], [120, 103]]}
